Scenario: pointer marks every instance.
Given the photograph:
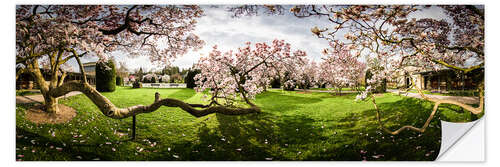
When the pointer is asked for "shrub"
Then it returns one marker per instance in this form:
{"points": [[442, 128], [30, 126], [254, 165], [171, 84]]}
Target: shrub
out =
{"points": [[189, 79], [119, 81], [153, 80], [137, 84], [105, 75]]}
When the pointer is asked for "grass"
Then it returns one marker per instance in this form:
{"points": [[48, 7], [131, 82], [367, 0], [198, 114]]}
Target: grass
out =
{"points": [[292, 126]]}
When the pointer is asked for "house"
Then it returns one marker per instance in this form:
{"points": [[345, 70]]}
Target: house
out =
{"points": [[441, 80], [89, 68], [26, 80]]}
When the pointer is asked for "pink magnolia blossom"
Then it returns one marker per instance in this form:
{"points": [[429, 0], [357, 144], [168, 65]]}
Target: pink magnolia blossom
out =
{"points": [[247, 71], [160, 32], [341, 69]]}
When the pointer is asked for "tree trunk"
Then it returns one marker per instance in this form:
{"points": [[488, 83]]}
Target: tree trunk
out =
{"points": [[50, 104]]}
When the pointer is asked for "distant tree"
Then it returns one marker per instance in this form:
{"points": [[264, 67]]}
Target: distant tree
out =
{"points": [[184, 72], [170, 70], [139, 74], [150, 78], [309, 75], [341, 69], [123, 71], [176, 78], [164, 79]]}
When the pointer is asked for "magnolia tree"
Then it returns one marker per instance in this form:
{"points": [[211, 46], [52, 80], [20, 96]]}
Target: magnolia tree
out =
{"points": [[400, 36], [341, 69], [131, 78], [50, 35], [165, 78], [150, 78], [240, 75], [309, 75]]}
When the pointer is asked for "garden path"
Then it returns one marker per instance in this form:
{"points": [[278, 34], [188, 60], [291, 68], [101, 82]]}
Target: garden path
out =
{"points": [[38, 98], [462, 99]]}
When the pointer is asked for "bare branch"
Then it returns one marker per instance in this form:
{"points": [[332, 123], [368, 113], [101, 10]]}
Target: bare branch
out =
{"points": [[82, 70]]}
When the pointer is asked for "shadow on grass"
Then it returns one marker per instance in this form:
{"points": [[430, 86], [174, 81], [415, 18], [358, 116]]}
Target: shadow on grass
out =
{"points": [[247, 137], [408, 145], [183, 94], [71, 150], [272, 134], [281, 137], [342, 96], [277, 101]]}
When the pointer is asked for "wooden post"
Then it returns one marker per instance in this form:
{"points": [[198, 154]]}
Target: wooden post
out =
{"points": [[133, 127]]}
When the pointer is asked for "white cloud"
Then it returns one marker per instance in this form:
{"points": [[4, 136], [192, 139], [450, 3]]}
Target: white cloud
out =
{"points": [[217, 27]]}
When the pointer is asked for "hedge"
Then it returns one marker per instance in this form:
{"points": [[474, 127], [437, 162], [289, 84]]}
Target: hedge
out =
{"points": [[105, 74], [137, 84], [189, 79], [119, 81]]}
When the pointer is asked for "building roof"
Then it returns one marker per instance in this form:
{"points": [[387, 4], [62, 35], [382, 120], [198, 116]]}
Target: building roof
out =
{"points": [[89, 63], [444, 70]]}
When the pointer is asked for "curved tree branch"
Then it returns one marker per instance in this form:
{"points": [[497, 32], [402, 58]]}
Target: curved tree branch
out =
{"points": [[422, 129], [437, 102], [122, 27], [110, 110]]}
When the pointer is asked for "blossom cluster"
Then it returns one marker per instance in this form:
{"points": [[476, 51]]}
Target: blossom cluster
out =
{"points": [[341, 69], [247, 71], [160, 32]]}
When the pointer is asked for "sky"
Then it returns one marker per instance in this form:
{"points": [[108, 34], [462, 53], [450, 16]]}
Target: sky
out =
{"points": [[217, 27]]}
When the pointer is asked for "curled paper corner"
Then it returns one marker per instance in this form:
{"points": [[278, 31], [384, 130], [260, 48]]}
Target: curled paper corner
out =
{"points": [[451, 133]]}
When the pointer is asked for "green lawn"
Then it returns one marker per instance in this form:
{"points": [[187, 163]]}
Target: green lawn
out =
{"points": [[292, 126]]}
